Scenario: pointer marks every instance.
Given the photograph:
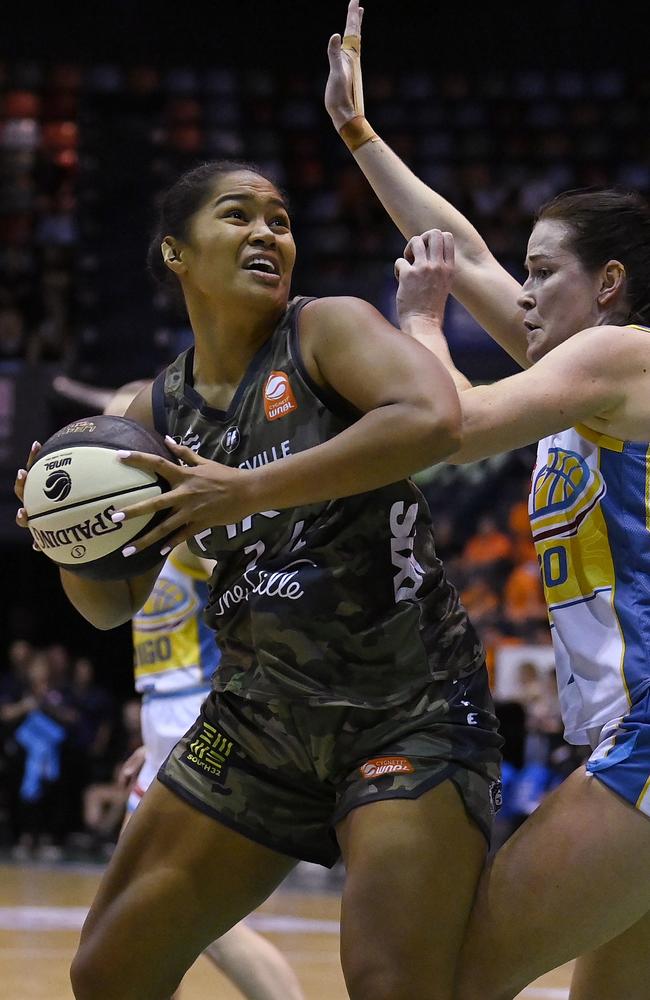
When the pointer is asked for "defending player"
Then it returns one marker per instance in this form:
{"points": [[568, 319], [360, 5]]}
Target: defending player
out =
{"points": [[575, 878]]}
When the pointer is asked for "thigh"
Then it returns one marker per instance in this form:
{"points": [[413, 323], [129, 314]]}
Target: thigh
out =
{"points": [[177, 880], [411, 871], [620, 968], [575, 875]]}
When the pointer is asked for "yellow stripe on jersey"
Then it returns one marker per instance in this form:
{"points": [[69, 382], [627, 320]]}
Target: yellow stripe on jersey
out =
{"points": [[602, 440]]}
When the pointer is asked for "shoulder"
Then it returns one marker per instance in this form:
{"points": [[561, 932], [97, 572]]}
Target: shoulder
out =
{"points": [[340, 315], [141, 409], [608, 352]]}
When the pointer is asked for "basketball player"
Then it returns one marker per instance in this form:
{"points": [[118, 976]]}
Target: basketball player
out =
{"points": [[350, 711], [575, 878]]}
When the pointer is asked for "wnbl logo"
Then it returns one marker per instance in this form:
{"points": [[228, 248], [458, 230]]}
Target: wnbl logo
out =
{"points": [[57, 486]]}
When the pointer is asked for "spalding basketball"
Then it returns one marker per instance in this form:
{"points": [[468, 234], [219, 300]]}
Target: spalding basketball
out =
{"points": [[75, 485]]}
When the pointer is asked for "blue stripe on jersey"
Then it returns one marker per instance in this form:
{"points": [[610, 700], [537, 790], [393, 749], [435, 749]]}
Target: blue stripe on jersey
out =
{"points": [[210, 652], [624, 508]]}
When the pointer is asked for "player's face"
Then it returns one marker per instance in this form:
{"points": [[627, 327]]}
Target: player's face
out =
{"points": [[559, 297], [241, 242]]}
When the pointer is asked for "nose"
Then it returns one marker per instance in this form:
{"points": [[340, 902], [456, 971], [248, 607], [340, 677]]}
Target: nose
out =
{"points": [[525, 300], [262, 234]]}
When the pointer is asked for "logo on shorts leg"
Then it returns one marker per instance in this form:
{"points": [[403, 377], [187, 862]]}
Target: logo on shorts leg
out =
{"points": [[496, 796], [380, 766], [208, 753]]}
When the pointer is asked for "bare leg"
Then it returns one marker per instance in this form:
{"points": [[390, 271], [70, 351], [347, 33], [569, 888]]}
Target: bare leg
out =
{"points": [[620, 968], [412, 869], [254, 965], [574, 876], [177, 880]]}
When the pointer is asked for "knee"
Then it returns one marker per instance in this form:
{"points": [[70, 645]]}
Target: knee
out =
{"points": [[391, 982]]}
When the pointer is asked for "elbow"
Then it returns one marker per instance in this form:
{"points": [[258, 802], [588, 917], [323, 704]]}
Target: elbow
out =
{"points": [[443, 438]]}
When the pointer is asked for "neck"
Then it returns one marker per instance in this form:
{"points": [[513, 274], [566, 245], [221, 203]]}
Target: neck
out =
{"points": [[226, 339]]}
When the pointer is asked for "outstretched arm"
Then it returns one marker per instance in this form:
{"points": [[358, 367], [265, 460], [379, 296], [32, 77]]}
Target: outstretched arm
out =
{"points": [[482, 285]]}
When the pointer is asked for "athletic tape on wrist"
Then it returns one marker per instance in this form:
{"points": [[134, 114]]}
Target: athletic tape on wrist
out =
{"points": [[357, 132]]}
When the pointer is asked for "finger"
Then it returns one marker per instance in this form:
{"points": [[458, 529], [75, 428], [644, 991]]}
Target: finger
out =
{"points": [[19, 483], [157, 536], [361, 10], [353, 19], [152, 463], [146, 507], [401, 267], [416, 249], [21, 518], [33, 454], [449, 249], [186, 455]]}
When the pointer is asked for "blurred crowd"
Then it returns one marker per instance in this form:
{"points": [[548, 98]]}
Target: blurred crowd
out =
{"points": [[63, 738]]}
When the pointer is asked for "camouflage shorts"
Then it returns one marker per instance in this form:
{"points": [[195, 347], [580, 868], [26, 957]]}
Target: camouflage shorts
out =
{"points": [[284, 774]]}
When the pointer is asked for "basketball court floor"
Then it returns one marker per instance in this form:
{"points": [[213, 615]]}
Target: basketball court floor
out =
{"points": [[42, 908]]}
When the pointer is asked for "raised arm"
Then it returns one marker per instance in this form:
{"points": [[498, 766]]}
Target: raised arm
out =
{"points": [[482, 285]]}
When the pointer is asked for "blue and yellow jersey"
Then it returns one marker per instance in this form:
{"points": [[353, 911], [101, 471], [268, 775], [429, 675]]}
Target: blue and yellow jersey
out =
{"points": [[174, 650], [590, 516]]}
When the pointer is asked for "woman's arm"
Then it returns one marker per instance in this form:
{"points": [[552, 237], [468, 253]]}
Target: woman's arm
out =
{"points": [[410, 418], [482, 285]]}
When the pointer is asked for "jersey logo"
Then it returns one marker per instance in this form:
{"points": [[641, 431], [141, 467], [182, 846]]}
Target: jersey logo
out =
{"points": [[380, 766], [230, 440], [565, 491], [278, 396]]}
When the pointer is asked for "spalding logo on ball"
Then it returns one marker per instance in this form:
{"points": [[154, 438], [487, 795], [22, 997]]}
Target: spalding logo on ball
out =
{"points": [[69, 510]]}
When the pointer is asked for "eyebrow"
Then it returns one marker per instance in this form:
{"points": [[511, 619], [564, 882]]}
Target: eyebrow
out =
{"points": [[247, 197]]}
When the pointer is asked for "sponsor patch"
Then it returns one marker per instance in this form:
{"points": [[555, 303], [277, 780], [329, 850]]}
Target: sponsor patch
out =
{"points": [[380, 766], [208, 754], [278, 396]]}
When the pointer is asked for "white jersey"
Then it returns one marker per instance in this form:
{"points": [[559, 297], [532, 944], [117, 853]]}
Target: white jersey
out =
{"points": [[590, 517]]}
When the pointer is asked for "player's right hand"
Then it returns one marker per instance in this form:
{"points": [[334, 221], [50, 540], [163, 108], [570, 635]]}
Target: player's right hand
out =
{"points": [[19, 484], [425, 275], [339, 93]]}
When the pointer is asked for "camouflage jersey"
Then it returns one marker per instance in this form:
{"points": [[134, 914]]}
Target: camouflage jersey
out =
{"points": [[336, 603]]}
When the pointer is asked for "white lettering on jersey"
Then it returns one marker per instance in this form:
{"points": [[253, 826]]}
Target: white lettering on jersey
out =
{"points": [[280, 583], [247, 523], [410, 574], [264, 457]]}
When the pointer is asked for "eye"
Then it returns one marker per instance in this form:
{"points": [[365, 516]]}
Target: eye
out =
{"points": [[234, 213], [542, 272], [281, 222]]}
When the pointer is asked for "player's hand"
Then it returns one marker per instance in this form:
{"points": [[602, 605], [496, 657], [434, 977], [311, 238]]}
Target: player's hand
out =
{"points": [[339, 91], [19, 486], [425, 274], [130, 769], [203, 494]]}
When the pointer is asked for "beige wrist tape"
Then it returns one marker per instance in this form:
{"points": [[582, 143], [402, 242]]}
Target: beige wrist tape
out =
{"points": [[352, 44], [357, 132]]}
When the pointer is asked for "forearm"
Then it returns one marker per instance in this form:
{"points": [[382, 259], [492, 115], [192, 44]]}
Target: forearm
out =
{"points": [[429, 333], [385, 445], [107, 603]]}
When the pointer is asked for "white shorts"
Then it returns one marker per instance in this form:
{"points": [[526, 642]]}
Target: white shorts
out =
{"points": [[164, 719]]}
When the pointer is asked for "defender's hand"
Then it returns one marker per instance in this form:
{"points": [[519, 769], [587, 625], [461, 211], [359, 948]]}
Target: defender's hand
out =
{"points": [[425, 274], [344, 90]]}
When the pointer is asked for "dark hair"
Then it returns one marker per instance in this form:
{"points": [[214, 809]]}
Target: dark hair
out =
{"points": [[609, 224], [181, 202]]}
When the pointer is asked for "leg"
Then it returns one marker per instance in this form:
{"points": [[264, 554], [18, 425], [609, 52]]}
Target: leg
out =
{"points": [[620, 968], [412, 869], [254, 965], [575, 875], [177, 880]]}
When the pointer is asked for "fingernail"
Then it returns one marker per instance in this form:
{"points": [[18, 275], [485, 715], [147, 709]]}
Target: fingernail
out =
{"points": [[36, 445], [119, 515], [169, 439], [167, 549], [21, 512], [21, 473], [128, 551], [124, 454]]}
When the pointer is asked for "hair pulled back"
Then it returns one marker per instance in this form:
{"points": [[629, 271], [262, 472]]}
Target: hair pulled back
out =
{"points": [[609, 224]]}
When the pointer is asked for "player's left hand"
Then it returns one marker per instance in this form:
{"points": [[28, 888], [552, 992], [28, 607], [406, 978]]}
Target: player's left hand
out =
{"points": [[425, 274], [203, 494]]}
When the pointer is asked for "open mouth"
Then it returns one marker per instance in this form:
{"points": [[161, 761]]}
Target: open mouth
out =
{"points": [[262, 265]]}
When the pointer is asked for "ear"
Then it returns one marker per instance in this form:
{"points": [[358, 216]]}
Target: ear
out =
{"points": [[612, 282], [171, 256]]}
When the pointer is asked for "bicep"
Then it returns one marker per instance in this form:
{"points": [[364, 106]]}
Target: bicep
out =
{"points": [[360, 355], [141, 408]]}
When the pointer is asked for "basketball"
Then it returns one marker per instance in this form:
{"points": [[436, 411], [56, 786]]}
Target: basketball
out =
{"points": [[78, 482]]}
